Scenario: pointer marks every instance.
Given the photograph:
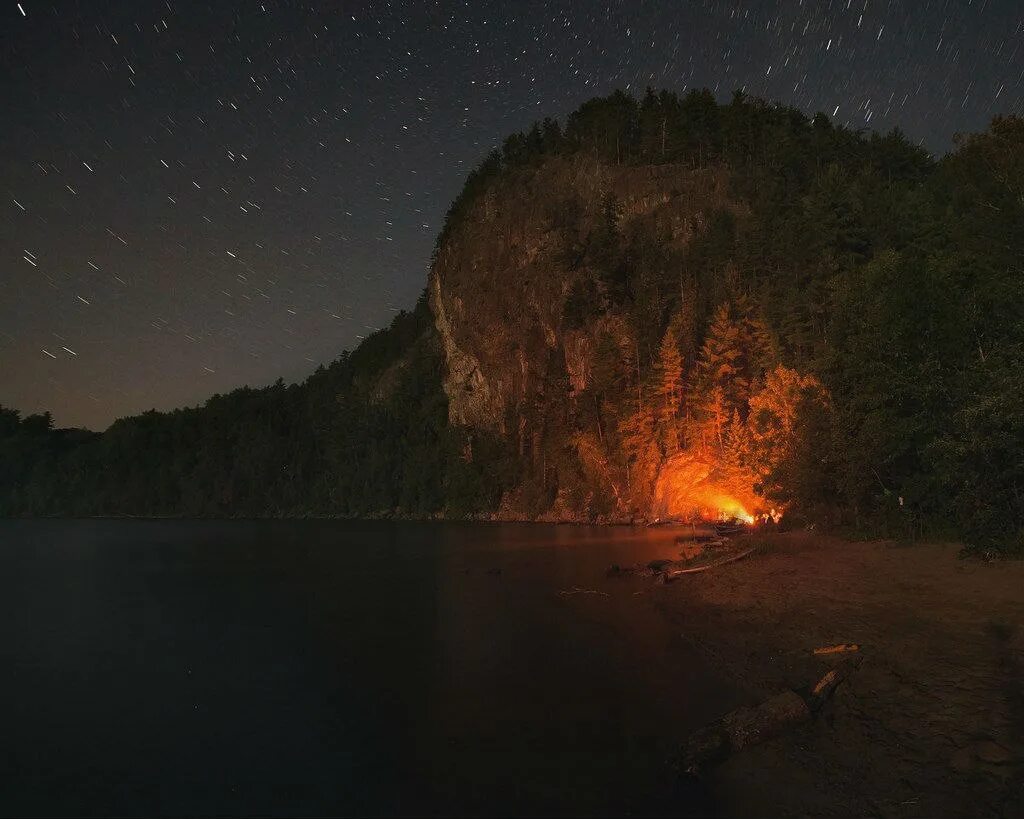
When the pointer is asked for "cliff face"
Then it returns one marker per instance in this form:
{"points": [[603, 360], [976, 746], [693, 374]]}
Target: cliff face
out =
{"points": [[506, 289], [501, 279]]}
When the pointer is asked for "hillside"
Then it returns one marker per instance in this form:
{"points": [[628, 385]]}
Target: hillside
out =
{"points": [[666, 308]]}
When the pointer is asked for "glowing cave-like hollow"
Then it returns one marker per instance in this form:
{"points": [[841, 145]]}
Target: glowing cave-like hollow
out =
{"points": [[691, 487]]}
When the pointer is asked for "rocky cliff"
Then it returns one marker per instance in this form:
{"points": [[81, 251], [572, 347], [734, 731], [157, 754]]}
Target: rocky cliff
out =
{"points": [[501, 279], [548, 264]]}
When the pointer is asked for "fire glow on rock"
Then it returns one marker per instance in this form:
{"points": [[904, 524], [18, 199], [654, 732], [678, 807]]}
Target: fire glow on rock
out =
{"points": [[692, 487]]}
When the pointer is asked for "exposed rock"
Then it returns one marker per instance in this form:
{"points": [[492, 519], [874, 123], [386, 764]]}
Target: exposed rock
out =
{"points": [[471, 401], [690, 487], [498, 290]]}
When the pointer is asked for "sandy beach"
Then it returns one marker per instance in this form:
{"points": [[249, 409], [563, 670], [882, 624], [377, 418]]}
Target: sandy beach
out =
{"points": [[929, 723]]}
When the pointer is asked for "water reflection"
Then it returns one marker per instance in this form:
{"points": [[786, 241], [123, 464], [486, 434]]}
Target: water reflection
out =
{"points": [[336, 667]]}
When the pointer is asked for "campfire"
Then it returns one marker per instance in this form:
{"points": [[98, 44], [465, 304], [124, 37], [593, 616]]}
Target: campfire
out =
{"points": [[694, 488]]}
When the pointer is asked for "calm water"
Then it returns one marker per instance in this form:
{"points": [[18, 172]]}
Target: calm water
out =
{"points": [[337, 667]]}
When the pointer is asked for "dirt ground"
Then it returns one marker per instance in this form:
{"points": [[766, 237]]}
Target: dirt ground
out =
{"points": [[931, 721]]}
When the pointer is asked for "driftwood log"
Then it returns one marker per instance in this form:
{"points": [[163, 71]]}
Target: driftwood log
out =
{"points": [[671, 574], [744, 727], [667, 570]]}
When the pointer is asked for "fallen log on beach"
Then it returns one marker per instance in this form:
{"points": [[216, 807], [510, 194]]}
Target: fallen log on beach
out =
{"points": [[841, 648], [668, 570], [742, 728], [748, 726], [826, 686], [578, 590], [673, 573]]}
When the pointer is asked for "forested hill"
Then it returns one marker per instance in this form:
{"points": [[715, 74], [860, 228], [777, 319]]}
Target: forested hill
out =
{"points": [[663, 307]]}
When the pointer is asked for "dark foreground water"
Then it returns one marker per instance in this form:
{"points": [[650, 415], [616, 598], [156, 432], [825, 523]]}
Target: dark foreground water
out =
{"points": [[336, 667]]}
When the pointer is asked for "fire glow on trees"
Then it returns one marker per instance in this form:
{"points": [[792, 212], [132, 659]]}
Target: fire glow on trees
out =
{"points": [[712, 452], [721, 476]]}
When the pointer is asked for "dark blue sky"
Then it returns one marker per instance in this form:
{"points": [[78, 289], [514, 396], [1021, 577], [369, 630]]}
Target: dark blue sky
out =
{"points": [[200, 196]]}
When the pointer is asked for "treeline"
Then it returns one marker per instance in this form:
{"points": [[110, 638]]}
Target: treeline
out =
{"points": [[694, 129], [367, 435], [853, 261]]}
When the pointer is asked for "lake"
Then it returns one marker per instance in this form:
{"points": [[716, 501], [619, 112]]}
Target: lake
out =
{"points": [[313, 667]]}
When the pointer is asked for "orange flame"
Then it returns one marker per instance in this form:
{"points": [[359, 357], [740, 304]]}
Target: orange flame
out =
{"points": [[693, 487], [728, 509]]}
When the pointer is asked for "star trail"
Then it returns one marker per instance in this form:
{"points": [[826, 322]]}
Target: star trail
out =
{"points": [[201, 196]]}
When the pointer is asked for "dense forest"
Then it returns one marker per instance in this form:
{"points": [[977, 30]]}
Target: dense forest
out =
{"points": [[842, 327], [367, 435]]}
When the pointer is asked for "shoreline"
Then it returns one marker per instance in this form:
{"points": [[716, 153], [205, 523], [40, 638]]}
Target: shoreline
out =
{"points": [[931, 721], [637, 523]]}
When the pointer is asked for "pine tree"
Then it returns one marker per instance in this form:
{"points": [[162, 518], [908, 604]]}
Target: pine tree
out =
{"points": [[638, 434], [736, 443], [668, 385], [722, 356], [715, 415], [755, 337], [737, 351]]}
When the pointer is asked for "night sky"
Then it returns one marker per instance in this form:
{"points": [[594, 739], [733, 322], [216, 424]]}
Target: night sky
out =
{"points": [[201, 196]]}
